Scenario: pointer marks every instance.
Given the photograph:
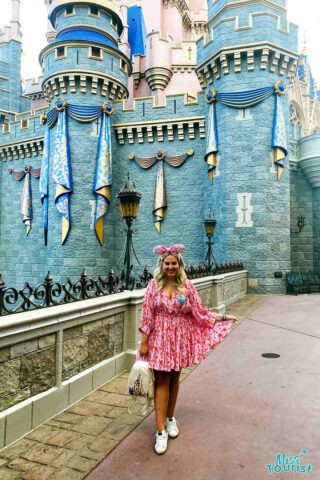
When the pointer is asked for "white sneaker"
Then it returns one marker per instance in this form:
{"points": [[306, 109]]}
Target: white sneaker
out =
{"points": [[161, 442], [171, 427]]}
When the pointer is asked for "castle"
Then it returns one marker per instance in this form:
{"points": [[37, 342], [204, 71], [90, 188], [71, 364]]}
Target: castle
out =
{"points": [[207, 104]]}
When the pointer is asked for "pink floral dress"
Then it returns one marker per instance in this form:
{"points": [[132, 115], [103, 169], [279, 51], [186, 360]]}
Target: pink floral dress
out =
{"points": [[180, 334]]}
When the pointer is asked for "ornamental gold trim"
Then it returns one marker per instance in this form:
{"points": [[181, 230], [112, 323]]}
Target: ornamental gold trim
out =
{"points": [[105, 109], [211, 96], [280, 87], [63, 107]]}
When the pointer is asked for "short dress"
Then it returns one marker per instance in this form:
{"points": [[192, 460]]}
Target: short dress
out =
{"points": [[180, 334]]}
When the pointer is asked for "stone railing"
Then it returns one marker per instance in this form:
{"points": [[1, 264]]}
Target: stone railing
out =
{"points": [[51, 358]]}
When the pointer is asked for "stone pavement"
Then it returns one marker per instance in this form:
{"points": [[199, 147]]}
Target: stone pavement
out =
{"points": [[238, 410], [72, 444]]}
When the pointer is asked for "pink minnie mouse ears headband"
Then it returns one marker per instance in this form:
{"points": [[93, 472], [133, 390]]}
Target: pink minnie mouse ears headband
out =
{"points": [[175, 248]]}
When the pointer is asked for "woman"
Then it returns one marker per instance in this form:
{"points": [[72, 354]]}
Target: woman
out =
{"points": [[177, 332]]}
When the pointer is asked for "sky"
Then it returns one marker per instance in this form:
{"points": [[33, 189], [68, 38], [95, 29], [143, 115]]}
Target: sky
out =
{"points": [[34, 24]]}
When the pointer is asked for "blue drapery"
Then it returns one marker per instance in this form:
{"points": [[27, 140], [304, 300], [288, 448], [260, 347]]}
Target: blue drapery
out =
{"points": [[62, 174], [212, 142], [245, 100], [103, 176], [26, 199], [44, 182], [279, 136], [82, 113]]}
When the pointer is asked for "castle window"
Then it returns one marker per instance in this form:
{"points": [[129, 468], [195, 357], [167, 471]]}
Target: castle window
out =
{"points": [[6, 128], [123, 65], [61, 52], [24, 124], [113, 23], [69, 11], [94, 11], [95, 53]]}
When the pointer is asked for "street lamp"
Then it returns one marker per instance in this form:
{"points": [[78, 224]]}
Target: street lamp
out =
{"points": [[210, 226], [129, 205]]}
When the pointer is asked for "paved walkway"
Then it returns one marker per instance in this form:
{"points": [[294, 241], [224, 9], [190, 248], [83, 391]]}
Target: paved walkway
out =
{"points": [[237, 410]]}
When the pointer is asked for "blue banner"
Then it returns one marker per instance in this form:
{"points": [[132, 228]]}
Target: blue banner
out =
{"points": [[103, 176], [62, 174], [44, 182]]}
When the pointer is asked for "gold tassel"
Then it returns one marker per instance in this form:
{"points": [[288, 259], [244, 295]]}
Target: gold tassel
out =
{"points": [[104, 192], [159, 213], [278, 155], [212, 162]]}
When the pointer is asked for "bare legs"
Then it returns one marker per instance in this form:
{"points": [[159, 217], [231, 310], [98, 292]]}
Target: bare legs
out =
{"points": [[166, 392]]}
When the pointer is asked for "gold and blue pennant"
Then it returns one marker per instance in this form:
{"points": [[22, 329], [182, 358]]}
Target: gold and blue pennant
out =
{"points": [[44, 182], [26, 199], [244, 100], [160, 197], [212, 135], [103, 175], [279, 136], [62, 174]]}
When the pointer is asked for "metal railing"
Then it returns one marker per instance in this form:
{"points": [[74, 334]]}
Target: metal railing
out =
{"points": [[50, 293]]}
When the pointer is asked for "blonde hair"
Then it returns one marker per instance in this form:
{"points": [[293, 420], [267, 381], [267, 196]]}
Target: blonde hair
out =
{"points": [[161, 278]]}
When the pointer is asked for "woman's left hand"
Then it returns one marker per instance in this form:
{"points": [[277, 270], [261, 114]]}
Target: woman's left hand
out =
{"points": [[230, 317]]}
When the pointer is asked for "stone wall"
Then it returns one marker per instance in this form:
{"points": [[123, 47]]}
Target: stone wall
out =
{"points": [[91, 343], [26, 369], [301, 204], [29, 368]]}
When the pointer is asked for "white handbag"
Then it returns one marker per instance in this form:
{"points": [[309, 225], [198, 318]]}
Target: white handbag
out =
{"points": [[141, 384]]}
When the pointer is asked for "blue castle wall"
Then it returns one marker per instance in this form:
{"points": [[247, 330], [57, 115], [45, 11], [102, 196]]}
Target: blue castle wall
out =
{"points": [[245, 166]]}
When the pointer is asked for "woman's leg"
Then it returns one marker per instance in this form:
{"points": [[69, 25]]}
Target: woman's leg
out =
{"points": [[173, 392], [161, 398]]}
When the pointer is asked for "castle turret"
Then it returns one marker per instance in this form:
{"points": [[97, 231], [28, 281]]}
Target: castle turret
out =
{"points": [[83, 66], [10, 66], [15, 20], [250, 46]]}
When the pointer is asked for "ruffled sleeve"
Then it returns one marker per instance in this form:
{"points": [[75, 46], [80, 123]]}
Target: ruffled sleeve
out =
{"points": [[203, 317], [147, 316], [215, 331]]}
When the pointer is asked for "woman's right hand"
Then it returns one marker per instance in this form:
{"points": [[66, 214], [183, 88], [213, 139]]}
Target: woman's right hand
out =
{"points": [[144, 350]]}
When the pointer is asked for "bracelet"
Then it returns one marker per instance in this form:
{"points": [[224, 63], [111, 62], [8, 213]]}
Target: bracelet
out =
{"points": [[224, 318]]}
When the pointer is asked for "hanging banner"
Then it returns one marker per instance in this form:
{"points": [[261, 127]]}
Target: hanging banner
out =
{"points": [[62, 174], [212, 136], [26, 198], [160, 198], [44, 182], [103, 176], [279, 136], [246, 100]]}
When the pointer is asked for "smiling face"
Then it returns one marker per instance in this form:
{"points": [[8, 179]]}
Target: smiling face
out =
{"points": [[170, 266]]}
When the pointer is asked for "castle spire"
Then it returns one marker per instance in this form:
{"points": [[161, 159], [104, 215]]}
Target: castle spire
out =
{"points": [[15, 20]]}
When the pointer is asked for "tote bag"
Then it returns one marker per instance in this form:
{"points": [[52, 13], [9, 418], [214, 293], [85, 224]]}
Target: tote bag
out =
{"points": [[141, 384]]}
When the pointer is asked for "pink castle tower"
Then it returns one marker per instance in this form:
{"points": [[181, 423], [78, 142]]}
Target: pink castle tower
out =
{"points": [[166, 62]]}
